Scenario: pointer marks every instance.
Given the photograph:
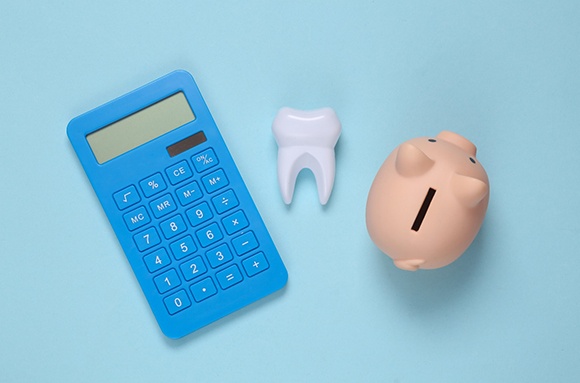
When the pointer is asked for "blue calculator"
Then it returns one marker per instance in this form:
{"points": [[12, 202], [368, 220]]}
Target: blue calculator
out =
{"points": [[177, 203]]}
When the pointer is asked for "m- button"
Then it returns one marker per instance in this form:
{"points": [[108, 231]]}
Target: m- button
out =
{"points": [[178, 172]]}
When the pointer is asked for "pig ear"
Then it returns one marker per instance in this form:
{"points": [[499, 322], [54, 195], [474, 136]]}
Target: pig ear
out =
{"points": [[468, 190], [412, 161]]}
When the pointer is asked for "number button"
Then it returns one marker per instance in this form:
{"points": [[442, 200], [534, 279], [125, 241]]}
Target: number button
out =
{"points": [[215, 181], [163, 206], [146, 239], [167, 281], [219, 255], [229, 277], [203, 289], [189, 193], [178, 172], [244, 243], [199, 214], [255, 264], [235, 222], [204, 160], [209, 235], [152, 185], [193, 268], [225, 201], [157, 260], [126, 197], [136, 218], [173, 226], [183, 247], [177, 302]]}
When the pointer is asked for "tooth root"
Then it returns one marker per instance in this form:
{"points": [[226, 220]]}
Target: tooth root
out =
{"points": [[306, 140]]}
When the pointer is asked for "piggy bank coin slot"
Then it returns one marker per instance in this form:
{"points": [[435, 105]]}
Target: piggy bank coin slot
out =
{"points": [[423, 210]]}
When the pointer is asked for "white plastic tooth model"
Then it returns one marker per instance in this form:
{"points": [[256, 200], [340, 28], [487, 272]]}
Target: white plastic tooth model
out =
{"points": [[306, 139]]}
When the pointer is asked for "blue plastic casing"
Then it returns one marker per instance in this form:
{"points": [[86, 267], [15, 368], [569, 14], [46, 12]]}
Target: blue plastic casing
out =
{"points": [[188, 227]]}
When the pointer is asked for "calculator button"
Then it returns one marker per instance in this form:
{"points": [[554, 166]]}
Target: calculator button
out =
{"points": [[203, 289], [204, 160], [199, 214], [235, 222], [177, 302], [136, 218], [189, 193], [167, 281], [126, 197], [163, 206], [225, 201], [152, 185], [209, 235], [219, 255], [178, 172], [173, 226], [255, 264], [193, 268], [146, 239], [215, 181], [229, 277], [183, 247], [244, 243], [157, 260]]}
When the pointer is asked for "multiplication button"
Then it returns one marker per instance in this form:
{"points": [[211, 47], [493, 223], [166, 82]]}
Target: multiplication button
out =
{"points": [[235, 222]]}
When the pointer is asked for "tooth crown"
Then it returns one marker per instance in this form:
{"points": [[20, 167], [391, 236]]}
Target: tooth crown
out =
{"points": [[306, 139]]}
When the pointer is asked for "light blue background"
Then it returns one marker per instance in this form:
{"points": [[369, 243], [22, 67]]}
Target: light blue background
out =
{"points": [[505, 74]]}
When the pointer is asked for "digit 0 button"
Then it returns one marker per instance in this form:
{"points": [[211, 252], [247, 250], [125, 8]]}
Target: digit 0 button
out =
{"points": [[177, 302]]}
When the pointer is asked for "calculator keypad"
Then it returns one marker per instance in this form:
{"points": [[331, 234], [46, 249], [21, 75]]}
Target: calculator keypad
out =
{"points": [[207, 247]]}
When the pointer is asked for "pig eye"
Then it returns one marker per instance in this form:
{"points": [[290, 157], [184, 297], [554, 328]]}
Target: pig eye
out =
{"points": [[471, 159], [432, 140]]}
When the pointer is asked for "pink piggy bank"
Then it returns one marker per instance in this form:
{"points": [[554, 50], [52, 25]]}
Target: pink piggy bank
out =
{"points": [[428, 201]]}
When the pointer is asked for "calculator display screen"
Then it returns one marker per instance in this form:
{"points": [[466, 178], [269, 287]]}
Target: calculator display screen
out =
{"points": [[140, 127]]}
